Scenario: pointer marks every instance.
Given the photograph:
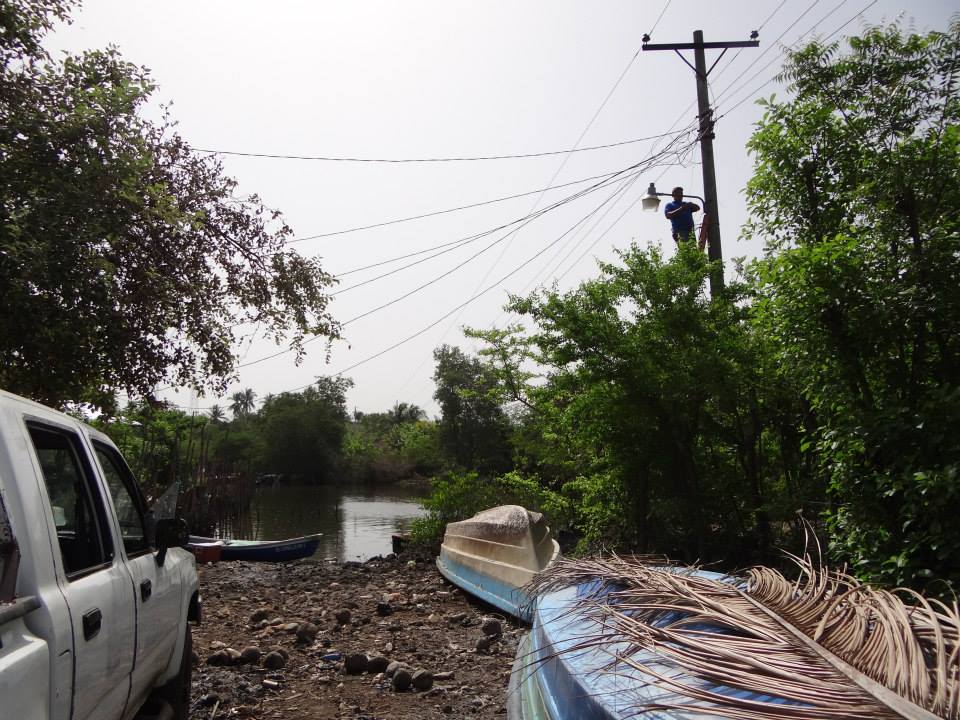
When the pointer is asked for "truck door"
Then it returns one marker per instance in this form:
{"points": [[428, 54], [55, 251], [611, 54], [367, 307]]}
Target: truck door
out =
{"points": [[94, 582], [158, 588]]}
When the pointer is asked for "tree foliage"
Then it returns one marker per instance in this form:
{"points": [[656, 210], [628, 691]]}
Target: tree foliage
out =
{"points": [[857, 193], [474, 430], [126, 259]]}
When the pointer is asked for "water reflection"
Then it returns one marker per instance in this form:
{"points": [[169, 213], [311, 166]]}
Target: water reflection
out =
{"points": [[356, 521]]}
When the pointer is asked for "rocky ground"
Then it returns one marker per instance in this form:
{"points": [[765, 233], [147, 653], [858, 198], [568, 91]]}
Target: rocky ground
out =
{"points": [[388, 639]]}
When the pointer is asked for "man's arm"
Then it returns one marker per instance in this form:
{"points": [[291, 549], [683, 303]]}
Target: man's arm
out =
{"points": [[692, 207]]}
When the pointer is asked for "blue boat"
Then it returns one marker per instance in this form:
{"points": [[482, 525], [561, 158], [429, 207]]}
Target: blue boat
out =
{"points": [[494, 554], [262, 550], [575, 664]]}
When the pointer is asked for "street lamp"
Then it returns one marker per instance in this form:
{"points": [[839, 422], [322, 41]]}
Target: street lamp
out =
{"points": [[651, 201]]}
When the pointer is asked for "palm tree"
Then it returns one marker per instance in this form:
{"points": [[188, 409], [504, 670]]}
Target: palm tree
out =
{"points": [[243, 402], [216, 414]]}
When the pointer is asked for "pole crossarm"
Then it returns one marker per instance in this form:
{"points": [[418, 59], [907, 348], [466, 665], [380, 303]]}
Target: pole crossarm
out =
{"points": [[705, 46]]}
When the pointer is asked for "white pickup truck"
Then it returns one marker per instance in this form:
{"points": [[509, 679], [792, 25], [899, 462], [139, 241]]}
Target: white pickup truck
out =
{"points": [[95, 596]]}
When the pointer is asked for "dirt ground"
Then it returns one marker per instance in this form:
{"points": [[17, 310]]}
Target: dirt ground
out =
{"points": [[319, 640]]}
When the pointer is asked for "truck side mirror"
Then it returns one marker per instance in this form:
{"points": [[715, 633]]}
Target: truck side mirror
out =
{"points": [[170, 532]]}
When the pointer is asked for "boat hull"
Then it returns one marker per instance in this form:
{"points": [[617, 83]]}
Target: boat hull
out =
{"points": [[495, 554], [264, 550], [555, 678]]}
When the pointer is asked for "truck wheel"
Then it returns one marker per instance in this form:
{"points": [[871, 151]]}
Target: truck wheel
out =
{"points": [[177, 692]]}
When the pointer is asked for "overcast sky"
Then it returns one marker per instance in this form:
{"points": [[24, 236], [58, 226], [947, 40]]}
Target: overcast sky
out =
{"points": [[441, 79]]}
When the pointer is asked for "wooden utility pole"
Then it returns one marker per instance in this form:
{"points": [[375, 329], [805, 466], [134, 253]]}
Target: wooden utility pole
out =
{"points": [[705, 115]]}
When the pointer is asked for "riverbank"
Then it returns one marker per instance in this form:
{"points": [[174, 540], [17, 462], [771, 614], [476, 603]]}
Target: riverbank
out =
{"points": [[387, 639]]}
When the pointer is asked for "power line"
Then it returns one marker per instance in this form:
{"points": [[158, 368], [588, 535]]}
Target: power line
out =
{"points": [[774, 77], [660, 17], [760, 27], [633, 170], [454, 244], [444, 212], [457, 244], [768, 48], [517, 156], [462, 305]]}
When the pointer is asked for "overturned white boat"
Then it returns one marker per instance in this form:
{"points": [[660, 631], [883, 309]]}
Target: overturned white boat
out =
{"points": [[497, 552]]}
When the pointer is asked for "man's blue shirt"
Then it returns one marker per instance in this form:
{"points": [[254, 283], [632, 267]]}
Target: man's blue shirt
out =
{"points": [[682, 222]]}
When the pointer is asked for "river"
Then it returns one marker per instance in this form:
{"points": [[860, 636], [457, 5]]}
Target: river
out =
{"points": [[356, 520]]}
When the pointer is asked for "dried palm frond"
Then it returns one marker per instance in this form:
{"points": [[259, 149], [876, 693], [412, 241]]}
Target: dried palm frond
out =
{"points": [[827, 644]]}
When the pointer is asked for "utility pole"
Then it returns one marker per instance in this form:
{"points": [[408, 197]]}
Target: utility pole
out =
{"points": [[705, 115]]}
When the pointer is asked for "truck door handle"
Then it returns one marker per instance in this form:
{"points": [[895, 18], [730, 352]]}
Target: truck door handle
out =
{"points": [[91, 623], [146, 589]]}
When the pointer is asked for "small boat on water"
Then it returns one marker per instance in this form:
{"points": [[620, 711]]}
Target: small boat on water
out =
{"points": [[497, 552], [259, 550]]}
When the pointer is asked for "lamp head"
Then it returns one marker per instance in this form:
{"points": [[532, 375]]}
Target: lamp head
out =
{"points": [[650, 201]]}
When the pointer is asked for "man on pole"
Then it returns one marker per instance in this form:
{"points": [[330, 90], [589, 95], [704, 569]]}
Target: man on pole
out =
{"points": [[680, 215]]}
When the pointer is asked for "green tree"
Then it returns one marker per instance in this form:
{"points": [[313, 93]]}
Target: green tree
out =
{"points": [[302, 433], [243, 403], [655, 408], [126, 259], [857, 194], [474, 431]]}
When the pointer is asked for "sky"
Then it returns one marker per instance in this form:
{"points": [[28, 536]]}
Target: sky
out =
{"points": [[442, 79]]}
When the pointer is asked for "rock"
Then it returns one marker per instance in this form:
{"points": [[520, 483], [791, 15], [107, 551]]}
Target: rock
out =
{"points": [[393, 667], [483, 644], [220, 657], [401, 680], [275, 621], [209, 699], [491, 627], [422, 679], [274, 660], [307, 633], [233, 656], [377, 664], [446, 675], [342, 616], [457, 618], [217, 645], [251, 655], [355, 663], [261, 614], [384, 609], [282, 651], [290, 627]]}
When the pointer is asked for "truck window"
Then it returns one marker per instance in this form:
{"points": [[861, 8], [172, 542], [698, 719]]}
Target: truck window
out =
{"points": [[126, 499], [77, 506]]}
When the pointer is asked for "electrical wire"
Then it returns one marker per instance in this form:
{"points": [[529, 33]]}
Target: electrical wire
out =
{"points": [[768, 48], [462, 305], [450, 210], [457, 244], [660, 17], [723, 68], [517, 156], [757, 89], [780, 55], [634, 170]]}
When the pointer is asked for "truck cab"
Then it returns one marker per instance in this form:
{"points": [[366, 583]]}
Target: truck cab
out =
{"points": [[95, 595]]}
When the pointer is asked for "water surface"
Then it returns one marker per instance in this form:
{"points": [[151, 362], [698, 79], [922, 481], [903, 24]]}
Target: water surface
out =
{"points": [[356, 520]]}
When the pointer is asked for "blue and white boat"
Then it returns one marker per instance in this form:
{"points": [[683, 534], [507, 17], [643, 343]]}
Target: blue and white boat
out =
{"points": [[261, 550], [494, 554], [556, 677]]}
